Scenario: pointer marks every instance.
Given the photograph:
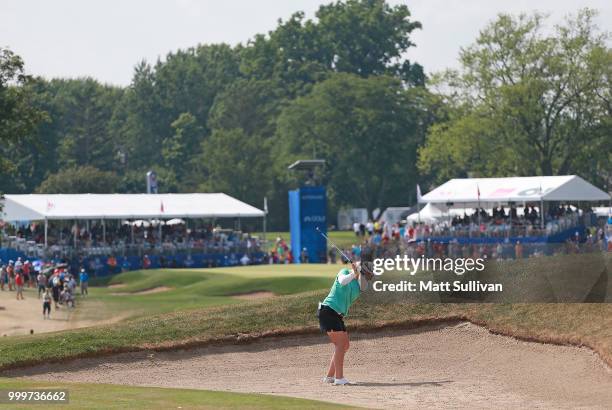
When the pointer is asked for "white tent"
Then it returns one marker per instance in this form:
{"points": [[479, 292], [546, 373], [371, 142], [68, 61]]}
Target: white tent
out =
{"points": [[430, 213], [515, 189], [123, 206], [394, 214]]}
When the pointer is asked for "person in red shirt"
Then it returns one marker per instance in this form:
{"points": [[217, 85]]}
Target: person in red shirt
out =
{"points": [[146, 262], [27, 278], [19, 285]]}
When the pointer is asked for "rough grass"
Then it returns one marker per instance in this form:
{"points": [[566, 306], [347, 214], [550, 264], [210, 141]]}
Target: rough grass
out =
{"points": [[104, 396], [577, 324]]}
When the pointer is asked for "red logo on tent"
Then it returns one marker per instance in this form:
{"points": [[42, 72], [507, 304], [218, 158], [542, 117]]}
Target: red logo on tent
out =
{"points": [[502, 192]]}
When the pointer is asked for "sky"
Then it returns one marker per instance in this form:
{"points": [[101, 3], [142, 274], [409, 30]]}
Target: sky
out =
{"points": [[105, 39]]}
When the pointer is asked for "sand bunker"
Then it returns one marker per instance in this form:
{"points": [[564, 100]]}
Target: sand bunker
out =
{"points": [[254, 295], [459, 366], [150, 291]]}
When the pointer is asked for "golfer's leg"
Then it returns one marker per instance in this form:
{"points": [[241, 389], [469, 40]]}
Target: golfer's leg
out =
{"points": [[339, 339], [331, 372]]}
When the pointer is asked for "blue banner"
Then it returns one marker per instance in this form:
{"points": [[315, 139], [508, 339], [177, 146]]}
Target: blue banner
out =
{"points": [[307, 212]]}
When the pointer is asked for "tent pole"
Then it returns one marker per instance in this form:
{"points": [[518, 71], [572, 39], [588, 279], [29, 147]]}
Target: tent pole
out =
{"points": [[76, 228], [265, 242], [542, 214], [510, 212], [103, 232], [46, 232]]}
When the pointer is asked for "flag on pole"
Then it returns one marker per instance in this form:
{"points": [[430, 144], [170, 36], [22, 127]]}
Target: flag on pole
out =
{"points": [[419, 196]]}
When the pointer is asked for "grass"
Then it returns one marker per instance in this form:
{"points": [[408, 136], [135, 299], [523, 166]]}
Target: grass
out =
{"points": [[344, 239], [578, 324], [197, 288], [104, 396], [170, 325]]}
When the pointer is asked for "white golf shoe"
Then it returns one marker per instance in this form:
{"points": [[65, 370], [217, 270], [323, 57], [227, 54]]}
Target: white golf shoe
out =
{"points": [[341, 382], [328, 379]]}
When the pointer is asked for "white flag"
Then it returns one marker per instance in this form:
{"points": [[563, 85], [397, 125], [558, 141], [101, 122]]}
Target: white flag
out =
{"points": [[419, 196]]}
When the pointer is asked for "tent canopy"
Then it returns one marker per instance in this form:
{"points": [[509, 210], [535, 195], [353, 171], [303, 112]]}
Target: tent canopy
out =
{"points": [[516, 189], [124, 206]]}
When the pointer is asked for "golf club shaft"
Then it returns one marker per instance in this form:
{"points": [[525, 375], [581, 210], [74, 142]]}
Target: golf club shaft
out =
{"points": [[334, 246]]}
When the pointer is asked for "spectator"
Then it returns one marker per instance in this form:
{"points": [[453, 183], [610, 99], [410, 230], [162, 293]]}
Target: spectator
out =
{"points": [[84, 281], [370, 228], [146, 262], [3, 277], [518, 250], [19, 282], [47, 305], [245, 260], [41, 281]]}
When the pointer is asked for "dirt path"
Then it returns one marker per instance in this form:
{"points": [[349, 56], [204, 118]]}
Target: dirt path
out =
{"points": [[461, 366], [18, 317]]}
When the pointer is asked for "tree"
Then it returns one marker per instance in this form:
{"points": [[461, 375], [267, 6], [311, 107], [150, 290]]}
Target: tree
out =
{"points": [[526, 103], [18, 117], [237, 164], [369, 37], [362, 37], [84, 108], [79, 180], [366, 129]]}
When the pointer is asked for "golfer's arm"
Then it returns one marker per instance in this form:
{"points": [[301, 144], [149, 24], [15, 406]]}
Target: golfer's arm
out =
{"points": [[363, 283], [346, 279]]}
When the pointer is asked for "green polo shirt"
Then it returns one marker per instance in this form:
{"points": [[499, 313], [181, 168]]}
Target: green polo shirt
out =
{"points": [[340, 297]]}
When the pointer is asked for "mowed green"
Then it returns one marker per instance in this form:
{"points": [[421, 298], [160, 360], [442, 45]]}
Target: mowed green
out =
{"points": [[343, 239], [105, 396], [121, 295]]}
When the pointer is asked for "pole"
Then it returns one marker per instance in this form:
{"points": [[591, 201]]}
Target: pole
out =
{"points": [[265, 242], [46, 232], [542, 214], [76, 228], [103, 232], [510, 212]]}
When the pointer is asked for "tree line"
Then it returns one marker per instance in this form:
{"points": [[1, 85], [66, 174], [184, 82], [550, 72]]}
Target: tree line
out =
{"points": [[524, 101]]}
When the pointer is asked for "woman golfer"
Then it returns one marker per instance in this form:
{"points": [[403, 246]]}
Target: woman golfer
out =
{"points": [[349, 283]]}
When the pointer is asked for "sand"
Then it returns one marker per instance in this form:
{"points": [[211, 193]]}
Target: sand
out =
{"points": [[458, 366], [254, 295], [150, 291], [18, 317]]}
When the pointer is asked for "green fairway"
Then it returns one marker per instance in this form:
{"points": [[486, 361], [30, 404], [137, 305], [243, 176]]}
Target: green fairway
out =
{"points": [[104, 396], [197, 288], [344, 239]]}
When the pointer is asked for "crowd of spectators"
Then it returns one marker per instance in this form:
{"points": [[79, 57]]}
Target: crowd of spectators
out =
{"points": [[414, 240], [56, 285], [137, 237]]}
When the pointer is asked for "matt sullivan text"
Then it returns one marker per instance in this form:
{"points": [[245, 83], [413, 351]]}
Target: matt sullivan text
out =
{"points": [[431, 286]]}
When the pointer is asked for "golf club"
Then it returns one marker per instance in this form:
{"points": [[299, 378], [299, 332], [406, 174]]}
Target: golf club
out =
{"points": [[334, 245]]}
